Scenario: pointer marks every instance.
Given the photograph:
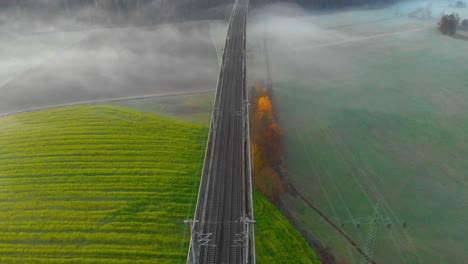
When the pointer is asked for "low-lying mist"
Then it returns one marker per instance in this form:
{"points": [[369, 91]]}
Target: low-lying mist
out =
{"points": [[82, 53], [370, 101]]}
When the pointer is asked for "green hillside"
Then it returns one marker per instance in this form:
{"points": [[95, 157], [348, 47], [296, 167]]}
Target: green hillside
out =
{"points": [[100, 184], [97, 185], [276, 239]]}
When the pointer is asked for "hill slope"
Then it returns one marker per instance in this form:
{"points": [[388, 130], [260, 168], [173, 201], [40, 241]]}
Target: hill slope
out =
{"points": [[100, 184], [97, 185], [276, 239]]}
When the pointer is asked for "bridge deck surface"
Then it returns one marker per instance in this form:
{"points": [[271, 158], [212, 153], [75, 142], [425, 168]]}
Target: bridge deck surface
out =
{"points": [[218, 235]]}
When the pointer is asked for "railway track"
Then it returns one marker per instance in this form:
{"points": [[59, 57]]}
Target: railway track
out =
{"points": [[222, 230]]}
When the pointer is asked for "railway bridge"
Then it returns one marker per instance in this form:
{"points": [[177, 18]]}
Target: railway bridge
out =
{"points": [[222, 228]]}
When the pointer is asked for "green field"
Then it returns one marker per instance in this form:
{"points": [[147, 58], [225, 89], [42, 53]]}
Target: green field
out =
{"points": [[193, 108], [373, 111], [97, 185], [105, 184], [276, 240]]}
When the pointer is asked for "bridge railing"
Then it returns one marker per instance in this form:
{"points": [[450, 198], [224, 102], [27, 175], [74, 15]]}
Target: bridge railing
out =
{"points": [[250, 247]]}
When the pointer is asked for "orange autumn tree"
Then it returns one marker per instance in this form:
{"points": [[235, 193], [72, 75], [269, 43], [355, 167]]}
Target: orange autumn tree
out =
{"points": [[266, 144]]}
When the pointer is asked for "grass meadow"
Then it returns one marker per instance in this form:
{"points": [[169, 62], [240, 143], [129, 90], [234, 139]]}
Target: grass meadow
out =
{"points": [[276, 239], [373, 109], [106, 184], [193, 108], [97, 185]]}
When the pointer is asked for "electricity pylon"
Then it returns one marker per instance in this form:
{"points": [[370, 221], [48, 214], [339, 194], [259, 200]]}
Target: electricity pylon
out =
{"points": [[374, 221]]}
